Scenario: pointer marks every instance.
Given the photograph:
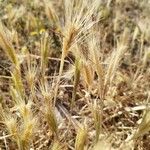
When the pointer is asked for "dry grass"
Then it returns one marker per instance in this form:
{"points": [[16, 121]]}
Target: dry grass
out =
{"points": [[74, 75]]}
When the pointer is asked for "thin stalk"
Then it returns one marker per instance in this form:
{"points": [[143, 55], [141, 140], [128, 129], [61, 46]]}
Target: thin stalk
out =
{"points": [[76, 81], [59, 76]]}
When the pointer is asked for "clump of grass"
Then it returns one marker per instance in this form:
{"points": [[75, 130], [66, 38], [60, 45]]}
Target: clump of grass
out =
{"points": [[75, 26], [22, 131]]}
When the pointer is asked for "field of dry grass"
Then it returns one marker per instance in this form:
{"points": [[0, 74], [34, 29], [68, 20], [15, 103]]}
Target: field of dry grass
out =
{"points": [[74, 75]]}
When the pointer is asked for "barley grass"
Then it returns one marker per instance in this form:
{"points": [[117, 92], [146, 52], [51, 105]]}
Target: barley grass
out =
{"points": [[74, 75]]}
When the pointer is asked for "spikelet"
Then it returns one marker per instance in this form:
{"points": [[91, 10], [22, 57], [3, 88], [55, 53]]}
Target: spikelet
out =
{"points": [[69, 39], [146, 57], [28, 126], [44, 52], [47, 92], [27, 132], [30, 74], [10, 122], [50, 117], [5, 43], [135, 34], [94, 47], [76, 80], [25, 111], [88, 74], [31, 24], [51, 14], [16, 97], [81, 138], [17, 82], [97, 116], [116, 57]]}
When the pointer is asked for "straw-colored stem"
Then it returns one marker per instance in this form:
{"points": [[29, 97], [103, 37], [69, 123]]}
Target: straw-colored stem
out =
{"points": [[59, 76], [76, 81]]}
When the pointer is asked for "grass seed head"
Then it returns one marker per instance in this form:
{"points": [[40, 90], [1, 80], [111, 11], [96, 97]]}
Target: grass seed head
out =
{"points": [[5, 43], [81, 138], [50, 117]]}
